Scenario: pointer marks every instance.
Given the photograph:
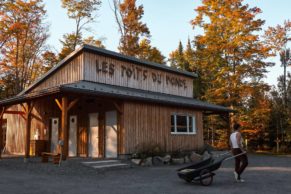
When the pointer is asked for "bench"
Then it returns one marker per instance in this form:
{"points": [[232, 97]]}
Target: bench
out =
{"points": [[46, 155]]}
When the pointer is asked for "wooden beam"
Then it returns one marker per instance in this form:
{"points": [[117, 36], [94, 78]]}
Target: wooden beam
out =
{"points": [[37, 118], [65, 135], [30, 108], [24, 108], [118, 108], [59, 104], [23, 116], [73, 103], [14, 112], [2, 112]]}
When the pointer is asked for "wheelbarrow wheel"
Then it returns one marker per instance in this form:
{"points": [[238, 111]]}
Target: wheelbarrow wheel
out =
{"points": [[206, 177]]}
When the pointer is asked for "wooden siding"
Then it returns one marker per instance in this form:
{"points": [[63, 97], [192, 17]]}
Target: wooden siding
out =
{"points": [[15, 136], [69, 73], [138, 124], [120, 73], [42, 112], [151, 124]]}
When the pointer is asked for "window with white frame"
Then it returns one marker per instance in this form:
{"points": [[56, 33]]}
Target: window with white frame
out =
{"points": [[183, 124]]}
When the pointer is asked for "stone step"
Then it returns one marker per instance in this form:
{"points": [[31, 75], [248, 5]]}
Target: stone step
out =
{"points": [[106, 164], [111, 166], [100, 161]]}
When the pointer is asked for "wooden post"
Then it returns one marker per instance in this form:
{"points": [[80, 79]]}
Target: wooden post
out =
{"points": [[101, 123], [120, 120], [65, 107], [65, 129], [27, 110], [1, 130]]}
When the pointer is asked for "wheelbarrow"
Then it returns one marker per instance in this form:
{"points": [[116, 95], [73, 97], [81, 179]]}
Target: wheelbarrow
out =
{"points": [[203, 171]]}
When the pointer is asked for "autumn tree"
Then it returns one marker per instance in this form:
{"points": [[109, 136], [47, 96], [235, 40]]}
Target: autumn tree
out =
{"points": [[280, 125], [21, 44], [94, 42], [135, 35], [81, 11], [277, 38], [231, 54], [49, 59], [182, 59], [176, 58], [150, 53], [187, 60]]}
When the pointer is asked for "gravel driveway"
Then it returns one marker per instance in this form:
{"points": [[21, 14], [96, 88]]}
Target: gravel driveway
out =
{"points": [[265, 174]]}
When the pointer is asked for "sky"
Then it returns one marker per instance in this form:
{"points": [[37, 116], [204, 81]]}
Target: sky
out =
{"points": [[167, 20]]}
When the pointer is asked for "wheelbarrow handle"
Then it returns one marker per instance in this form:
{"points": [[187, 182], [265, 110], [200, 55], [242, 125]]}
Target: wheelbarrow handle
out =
{"points": [[231, 157]]}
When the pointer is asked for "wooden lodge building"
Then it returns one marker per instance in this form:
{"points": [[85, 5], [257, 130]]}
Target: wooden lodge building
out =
{"points": [[103, 104]]}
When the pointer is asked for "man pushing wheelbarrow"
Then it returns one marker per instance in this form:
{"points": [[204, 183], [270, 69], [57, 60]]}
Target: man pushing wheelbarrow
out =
{"points": [[204, 171], [241, 161]]}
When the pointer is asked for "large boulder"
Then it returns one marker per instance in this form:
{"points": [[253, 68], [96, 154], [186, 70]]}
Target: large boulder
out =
{"points": [[158, 161], [167, 159], [147, 162], [178, 160], [194, 157], [136, 161]]}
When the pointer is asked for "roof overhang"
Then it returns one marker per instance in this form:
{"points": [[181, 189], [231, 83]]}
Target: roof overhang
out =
{"points": [[119, 92]]}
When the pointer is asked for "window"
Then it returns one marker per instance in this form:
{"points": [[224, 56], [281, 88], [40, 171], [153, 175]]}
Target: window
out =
{"points": [[183, 124]]}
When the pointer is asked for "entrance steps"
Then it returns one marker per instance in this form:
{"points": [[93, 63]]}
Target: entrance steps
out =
{"points": [[106, 164]]}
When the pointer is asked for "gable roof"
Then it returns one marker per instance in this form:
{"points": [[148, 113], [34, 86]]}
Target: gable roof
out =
{"points": [[112, 54]]}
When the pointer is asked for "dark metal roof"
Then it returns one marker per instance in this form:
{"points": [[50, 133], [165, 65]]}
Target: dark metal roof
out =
{"points": [[99, 89], [141, 95], [22, 98], [104, 52]]}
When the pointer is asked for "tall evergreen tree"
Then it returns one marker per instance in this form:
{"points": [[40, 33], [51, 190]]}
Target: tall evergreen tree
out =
{"points": [[176, 58], [277, 38]]}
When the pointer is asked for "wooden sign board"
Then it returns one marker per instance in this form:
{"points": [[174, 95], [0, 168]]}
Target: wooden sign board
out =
{"points": [[115, 72]]}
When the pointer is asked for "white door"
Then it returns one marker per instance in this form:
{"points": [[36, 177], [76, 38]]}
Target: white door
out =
{"points": [[93, 135], [54, 134], [111, 134], [73, 136]]}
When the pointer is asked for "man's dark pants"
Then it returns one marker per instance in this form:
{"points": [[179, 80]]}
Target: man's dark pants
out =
{"points": [[241, 162]]}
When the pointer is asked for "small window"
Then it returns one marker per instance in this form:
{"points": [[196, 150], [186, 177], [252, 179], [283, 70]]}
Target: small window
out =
{"points": [[183, 124], [192, 124], [173, 123]]}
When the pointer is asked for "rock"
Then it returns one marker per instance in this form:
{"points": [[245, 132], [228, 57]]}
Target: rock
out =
{"points": [[194, 157], [136, 161], [206, 155], [167, 159], [178, 160], [147, 162], [158, 161], [186, 159]]}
